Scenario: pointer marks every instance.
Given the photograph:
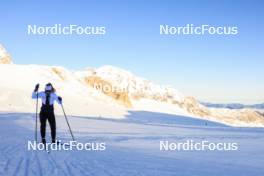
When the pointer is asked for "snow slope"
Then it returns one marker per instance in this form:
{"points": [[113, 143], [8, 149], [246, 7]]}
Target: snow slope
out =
{"points": [[132, 147], [130, 122], [144, 95], [17, 82], [128, 92]]}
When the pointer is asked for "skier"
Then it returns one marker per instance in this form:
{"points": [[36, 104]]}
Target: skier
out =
{"points": [[47, 110]]}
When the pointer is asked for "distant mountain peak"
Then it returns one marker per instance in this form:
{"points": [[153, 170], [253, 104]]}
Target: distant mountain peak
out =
{"points": [[5, 57]]}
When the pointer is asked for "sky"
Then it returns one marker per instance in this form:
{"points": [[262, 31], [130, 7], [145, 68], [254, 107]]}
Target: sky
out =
{"points": [[212, 68]]}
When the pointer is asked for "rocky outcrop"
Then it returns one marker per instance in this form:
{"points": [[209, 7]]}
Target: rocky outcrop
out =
{"points": [[194, 107], [59, 73], [5, 57], [108, 89], [244, 117], [111, 81]]}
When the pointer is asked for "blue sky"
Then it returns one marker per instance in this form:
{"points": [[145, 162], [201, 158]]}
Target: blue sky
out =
{"points": [[211, 68]]}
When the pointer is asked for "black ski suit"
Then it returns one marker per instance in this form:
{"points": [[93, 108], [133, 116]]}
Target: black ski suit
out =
{"points": [[47, 112]]}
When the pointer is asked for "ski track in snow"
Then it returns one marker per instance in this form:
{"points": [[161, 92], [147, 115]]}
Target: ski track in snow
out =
{"points": [[132, 148]]}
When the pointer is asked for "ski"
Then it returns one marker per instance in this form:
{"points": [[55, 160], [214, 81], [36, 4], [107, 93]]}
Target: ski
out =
{"points": [[47, 149]]}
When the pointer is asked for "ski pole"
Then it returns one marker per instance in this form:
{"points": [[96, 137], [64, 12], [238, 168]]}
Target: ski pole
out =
{"points": [[67, 122], [36, 124]]}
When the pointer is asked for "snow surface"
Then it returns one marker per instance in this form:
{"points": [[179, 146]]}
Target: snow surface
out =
{"points": [[18, 81], [132, 147], [132, 135]]}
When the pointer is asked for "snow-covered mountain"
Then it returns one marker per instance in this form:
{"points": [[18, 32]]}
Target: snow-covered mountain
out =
{"points": [[5, 58], [106, 92], [141, 94]]}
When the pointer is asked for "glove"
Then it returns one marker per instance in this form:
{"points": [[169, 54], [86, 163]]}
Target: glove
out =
{"points": [[36, 88], [60, 99]]}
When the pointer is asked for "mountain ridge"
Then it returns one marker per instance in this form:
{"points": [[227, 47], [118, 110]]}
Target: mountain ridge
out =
{"points": [[233, 105], [81, 92]]}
